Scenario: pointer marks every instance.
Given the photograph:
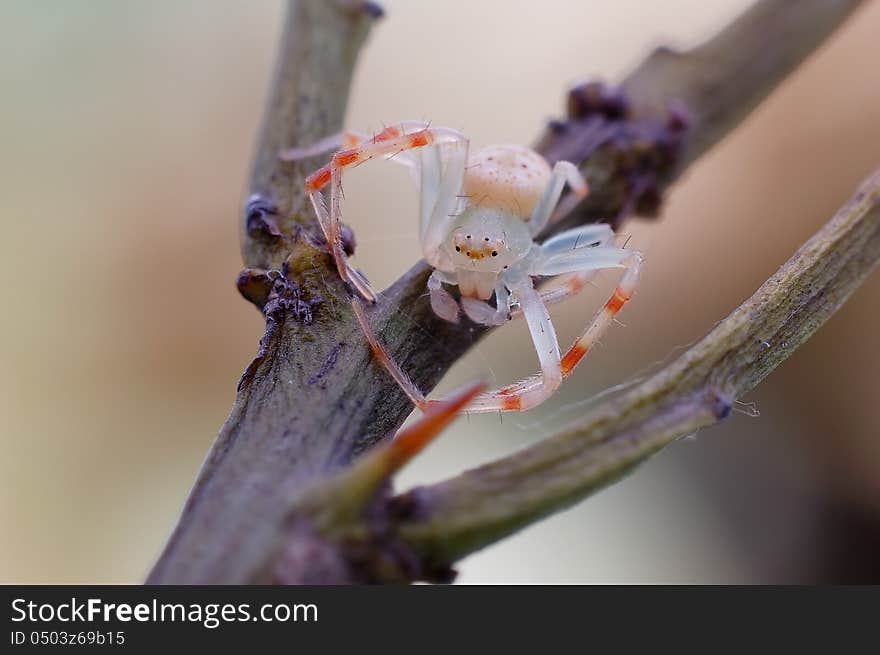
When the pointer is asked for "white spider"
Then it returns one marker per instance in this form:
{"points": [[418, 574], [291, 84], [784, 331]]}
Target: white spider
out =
{"points": [[478, 219]]}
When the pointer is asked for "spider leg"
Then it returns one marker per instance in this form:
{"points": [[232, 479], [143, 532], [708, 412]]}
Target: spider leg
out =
{"points": [[563, 171], [586, 236], [582, 260], [389, 143], [351, 139], [570, 284], [534, 390], [340, 140], [538, 389], [381, 354], [442, 179], [589, 260]]}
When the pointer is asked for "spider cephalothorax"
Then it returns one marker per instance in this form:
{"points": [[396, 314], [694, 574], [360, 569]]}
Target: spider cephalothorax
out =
{"points": [[479, 216]]}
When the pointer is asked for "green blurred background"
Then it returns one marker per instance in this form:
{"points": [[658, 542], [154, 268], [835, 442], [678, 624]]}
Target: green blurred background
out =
{"points": [[126, 131]]}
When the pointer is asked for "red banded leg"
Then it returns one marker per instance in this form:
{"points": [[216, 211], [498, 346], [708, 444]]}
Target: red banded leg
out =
{"points": [[347, 139], [390, 141], [603, 319], [568, 285], [389, 364], [533, 390], [546, 346]]}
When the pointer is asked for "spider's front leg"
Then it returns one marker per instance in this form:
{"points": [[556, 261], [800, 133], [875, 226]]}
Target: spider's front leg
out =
{"points": [[552, 260], [522, 396], [571, 284], [390, 142]]}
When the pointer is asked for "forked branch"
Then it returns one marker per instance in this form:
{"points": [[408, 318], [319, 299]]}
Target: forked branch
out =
{"points": [[313, 399]]}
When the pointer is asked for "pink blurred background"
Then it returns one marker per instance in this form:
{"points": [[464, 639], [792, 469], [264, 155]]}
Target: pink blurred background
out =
{"points": [[127, 131]]}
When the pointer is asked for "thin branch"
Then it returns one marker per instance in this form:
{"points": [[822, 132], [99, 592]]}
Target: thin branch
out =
{"points": [[313, 398], [307, 100], [268, 443], [758, 50], [715, 85]]}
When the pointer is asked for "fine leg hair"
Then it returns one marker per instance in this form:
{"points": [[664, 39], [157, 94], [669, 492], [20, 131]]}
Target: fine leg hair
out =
{"points": [[381, 354], [350, 139], [570, 284], [338, 141], [586, 236], [391, 142]]}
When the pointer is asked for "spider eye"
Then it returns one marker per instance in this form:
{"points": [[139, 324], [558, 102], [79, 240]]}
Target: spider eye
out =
{"points": [[486, 239], [457, 248], [494, 253]]}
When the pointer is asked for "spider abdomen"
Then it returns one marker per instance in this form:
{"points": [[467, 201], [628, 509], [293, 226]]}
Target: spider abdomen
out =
{"points": [[510, 178]]}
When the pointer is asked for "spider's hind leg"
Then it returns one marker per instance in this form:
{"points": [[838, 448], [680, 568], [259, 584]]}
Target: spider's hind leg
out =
{"points": [[389, 364]]}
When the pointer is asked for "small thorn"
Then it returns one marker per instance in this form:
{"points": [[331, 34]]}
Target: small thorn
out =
{"points": [[409, 442]]}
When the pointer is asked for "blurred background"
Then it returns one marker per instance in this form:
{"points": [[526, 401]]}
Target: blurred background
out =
{"points": [[126, 131]]}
